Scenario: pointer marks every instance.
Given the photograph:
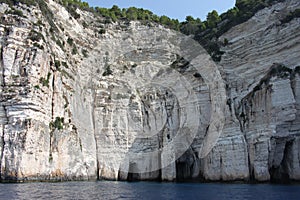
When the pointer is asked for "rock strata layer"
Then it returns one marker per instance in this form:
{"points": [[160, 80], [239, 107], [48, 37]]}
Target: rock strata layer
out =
{"points": [[142, 102]]}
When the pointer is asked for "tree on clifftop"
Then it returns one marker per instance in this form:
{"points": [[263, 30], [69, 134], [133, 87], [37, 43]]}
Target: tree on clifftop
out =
{"points": [[213, 19]]}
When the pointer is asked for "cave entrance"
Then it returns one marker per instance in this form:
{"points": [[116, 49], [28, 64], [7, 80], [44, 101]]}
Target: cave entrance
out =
{"points": [[182, 171], [132, 176], [280, 174]]}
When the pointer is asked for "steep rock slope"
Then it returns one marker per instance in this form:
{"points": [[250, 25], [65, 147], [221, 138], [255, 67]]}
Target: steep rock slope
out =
{"points": [[79, 104], [141, 102], [34, 103], [260, 67]]}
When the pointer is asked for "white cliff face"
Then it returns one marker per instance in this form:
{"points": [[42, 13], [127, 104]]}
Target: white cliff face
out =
{"points": [[141, 102], [149, 101], [39, 141], [260, 69]]}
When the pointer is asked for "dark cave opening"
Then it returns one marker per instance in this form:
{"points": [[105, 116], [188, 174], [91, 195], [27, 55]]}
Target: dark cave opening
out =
{"points": [[280, 174]]}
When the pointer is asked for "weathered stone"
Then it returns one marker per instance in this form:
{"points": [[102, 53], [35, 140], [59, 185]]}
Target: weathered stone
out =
{"points": [[146, 103]]}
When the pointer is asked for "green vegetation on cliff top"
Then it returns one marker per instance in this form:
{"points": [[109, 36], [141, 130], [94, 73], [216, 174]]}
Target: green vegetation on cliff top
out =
{"points": [[205, 32]]}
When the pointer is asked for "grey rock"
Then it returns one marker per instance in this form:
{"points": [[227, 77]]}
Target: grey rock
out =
{"points": [[142, 102]]}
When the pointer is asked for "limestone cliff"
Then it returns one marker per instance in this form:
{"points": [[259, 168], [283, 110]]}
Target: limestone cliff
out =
{"points": [[142, 102]]}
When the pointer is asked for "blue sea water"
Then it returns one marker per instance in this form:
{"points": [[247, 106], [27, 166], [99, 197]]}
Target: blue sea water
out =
{"points": [[148, 190]]}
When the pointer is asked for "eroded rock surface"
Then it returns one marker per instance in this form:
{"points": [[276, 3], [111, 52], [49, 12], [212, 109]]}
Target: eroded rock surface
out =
{"points": [[142, 102]]}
